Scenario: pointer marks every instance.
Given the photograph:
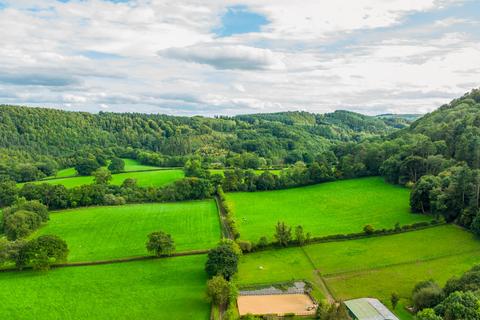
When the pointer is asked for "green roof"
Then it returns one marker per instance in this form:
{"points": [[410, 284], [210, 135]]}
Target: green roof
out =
{"points": [[369, 309]]}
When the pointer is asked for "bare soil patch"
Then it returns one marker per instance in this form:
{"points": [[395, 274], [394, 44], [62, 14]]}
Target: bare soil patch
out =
{"points": [[280, 304]]}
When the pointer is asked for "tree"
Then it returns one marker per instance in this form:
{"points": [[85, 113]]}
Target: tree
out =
{"points": [[193, 168], [218, 290], [160, 243], [266, 181], [20, 224], [333, 311], [475, 225], [86, 167], [420, 195], [232, 244], [283, 233], [46, 250], [299, 235], [459, 306], [8, 193], [427, 314], [116, 165], [222, 261], [426, 294], [102, 176], [394, 298]]}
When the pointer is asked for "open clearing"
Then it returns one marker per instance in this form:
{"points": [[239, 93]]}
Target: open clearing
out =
{"points": [[172, 288], [328, 208], [278, 304], [130, 165], [155, 178], [101, 233], [370, 267]]}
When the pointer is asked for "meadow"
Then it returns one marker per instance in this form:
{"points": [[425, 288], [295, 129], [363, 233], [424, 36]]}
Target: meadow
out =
{"points": [[369, 267], [329, 208], [172, 288], [101, 233], [155, 178], [130, 165]]}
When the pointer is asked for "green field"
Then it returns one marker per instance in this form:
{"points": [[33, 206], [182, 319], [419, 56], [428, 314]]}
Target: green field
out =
{"points": [[155, 178], [328, 208], [368, 253], [101, 233], [171, 288], [370, 267], [63, 173], [130, 165]]}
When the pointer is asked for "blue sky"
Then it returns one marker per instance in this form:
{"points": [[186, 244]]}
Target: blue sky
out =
{"points": [[232, 57], [238, 20]]}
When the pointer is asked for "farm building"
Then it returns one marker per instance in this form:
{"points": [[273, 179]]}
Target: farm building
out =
{"points": [[368, 309]]}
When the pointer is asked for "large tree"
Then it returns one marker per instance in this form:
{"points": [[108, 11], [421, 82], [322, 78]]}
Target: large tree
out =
{"points": [[218, 290], [222, 261], [160, 243], [102, 176]]}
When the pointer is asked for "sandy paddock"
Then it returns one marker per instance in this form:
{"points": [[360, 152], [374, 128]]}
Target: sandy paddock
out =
{"points": [[279, 304]]}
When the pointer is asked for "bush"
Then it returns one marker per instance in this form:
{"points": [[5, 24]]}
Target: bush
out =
{"points": [[368, 229], [263, 242], [245, 246], [426, 294], [20, 224], [44, 251]]}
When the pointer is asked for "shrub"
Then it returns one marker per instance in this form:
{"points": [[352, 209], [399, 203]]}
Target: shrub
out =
{"points": [[368, 229], [426, 294], [245, 246]]}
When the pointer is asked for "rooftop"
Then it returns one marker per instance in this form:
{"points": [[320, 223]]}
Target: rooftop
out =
{"points": [[369, 309]]}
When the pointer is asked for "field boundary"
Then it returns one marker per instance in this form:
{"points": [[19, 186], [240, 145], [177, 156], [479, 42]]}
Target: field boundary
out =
{"points": [[226, 232], [350, 237], [323, 284], [113, 261]]}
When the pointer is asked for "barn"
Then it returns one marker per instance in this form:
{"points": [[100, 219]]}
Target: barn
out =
{"points": [[368, 309]]}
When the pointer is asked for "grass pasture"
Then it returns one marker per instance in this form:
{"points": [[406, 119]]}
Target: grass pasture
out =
{"points": [[172, 288], [102, 233], [369, 267], [377, 252], [329, 208], [381, 282], [155, 178], [130, 165]]}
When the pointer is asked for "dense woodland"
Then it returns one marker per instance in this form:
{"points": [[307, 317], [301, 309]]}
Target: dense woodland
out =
{"points": [[35, 142], [438, 155]]}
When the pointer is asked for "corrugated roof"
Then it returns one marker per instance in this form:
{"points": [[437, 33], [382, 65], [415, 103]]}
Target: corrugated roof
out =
{"points": [[369, 309]]}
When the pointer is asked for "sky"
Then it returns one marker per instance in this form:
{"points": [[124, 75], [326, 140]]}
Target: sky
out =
{"points": [[192, 57]]}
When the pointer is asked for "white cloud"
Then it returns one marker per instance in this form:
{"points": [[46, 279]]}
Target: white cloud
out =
{"points": [[227, 56], [162, 56]]}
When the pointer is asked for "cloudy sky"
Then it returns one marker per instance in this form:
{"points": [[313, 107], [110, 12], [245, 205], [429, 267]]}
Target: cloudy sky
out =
{"points": [[213, 57]]}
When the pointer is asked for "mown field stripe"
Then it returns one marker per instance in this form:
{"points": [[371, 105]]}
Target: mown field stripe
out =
{"points": [[404, 263]]}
